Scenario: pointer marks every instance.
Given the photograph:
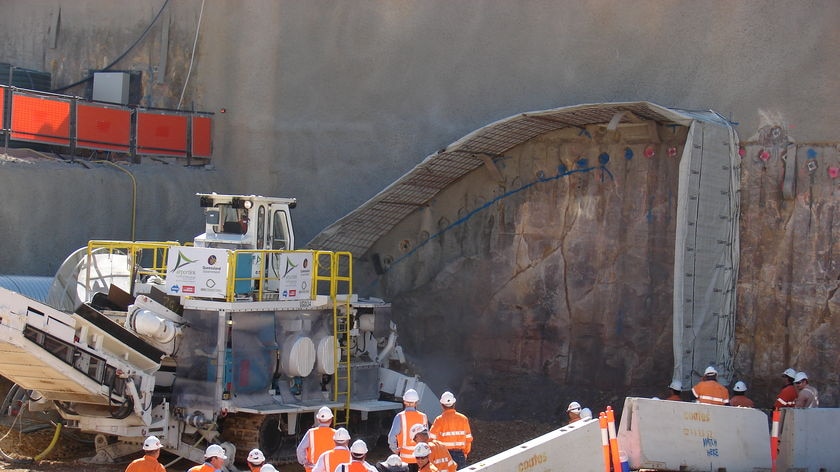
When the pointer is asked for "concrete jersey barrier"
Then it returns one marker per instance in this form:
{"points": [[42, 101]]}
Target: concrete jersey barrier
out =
{"points": [[572, 448], [808, 440], [671, 435]]}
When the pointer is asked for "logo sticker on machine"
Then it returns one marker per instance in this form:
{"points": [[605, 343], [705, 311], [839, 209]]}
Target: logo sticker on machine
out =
{"points": [[295, 280], [197, 271]]}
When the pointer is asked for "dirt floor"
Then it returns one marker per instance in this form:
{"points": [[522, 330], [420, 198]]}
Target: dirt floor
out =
{"points": [[491, 437]]}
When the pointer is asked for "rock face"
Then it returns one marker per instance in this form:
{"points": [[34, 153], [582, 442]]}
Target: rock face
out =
{"points": [[550, 286], [790, 270]]}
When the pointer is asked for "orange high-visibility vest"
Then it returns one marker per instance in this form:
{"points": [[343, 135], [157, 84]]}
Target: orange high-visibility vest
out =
{"points": [[354, 466], [440, 457], [787, 397], [409, 418], [320, 441], [711, 393], [453, 430], [335, 457], [202, 468]]}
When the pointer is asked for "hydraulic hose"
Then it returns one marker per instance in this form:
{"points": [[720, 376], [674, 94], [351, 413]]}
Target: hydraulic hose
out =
{"points": [[54, 441]]}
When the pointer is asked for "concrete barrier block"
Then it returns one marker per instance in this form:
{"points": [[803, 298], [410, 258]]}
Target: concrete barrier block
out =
{"points": [[662, 434], [808, 440], [572, 448]]}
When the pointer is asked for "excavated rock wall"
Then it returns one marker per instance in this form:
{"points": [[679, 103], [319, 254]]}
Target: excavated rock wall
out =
{"points": [[551, 286], [788, 304]]}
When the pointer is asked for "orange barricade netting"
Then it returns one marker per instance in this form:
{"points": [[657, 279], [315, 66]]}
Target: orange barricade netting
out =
{"points": [[99, 127], [2, 108], [164, 135], [40, 119], [202, 136]]}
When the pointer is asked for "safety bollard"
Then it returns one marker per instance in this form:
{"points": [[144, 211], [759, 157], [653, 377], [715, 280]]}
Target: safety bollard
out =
{"points": [[605, 441], [616, 460], [774, 439]]}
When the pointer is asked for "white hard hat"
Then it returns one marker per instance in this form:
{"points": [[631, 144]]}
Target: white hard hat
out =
{"points": [[394, 461], [152, 443], [411, 396], [447, 399], [789, 373], [585, 413], [740, 386], [800, 376], [417, 429], [710, 371], [268, 468], [341, 434], [256, 456], [324, 414], [214, 450], [359, 447], [422, 449], [675, 385], [574, 406]]}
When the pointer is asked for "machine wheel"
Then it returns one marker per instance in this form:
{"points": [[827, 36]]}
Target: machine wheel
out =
{"points": [[248, 431]]}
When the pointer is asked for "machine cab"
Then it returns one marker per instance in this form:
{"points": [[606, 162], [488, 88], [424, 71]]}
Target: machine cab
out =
{"points": [[246, 222]]}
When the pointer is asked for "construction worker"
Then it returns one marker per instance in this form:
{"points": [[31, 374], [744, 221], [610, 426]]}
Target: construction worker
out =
{"points": [[586, 414], [787, 396], [358, 452], [808, 396], [256, 462], [573, 410], [149, 461], [317, 440], [440, 456], [214, 459], [392, 464], [452, 428], [676, 391], [422, 456], [399, 437], [709, 391], [739, 396], [340, 454]]}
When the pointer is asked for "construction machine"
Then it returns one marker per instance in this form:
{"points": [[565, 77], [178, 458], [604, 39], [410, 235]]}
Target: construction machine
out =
{"points": [[236, 339]]}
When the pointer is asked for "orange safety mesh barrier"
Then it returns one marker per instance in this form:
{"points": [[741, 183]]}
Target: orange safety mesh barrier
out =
{"points": [[99, 127], [164, 135], [40, 119], [202, 136], [2, 108]]}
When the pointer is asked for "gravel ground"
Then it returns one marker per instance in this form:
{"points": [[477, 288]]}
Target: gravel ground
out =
{"points": [[491, 437]]}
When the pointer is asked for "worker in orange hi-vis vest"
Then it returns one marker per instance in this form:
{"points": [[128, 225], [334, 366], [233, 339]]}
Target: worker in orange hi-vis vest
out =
{"points": [[149, 461], [337, 455], [787, 396], [739, 396], [423, 456], [676, 390], [317, 440], [399, 437], [453, 430], [440, 456], [214, 459], [709, 391], [358, 452]]}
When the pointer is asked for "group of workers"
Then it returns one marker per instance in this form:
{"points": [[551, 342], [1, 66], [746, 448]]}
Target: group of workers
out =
{"points": [[416, 447], [797, 392], [214, 459]]}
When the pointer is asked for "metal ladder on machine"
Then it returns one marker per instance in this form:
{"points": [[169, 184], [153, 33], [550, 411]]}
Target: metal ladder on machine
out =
{"points": [[341, 289]]}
